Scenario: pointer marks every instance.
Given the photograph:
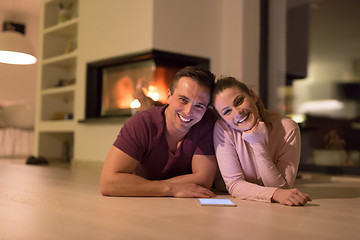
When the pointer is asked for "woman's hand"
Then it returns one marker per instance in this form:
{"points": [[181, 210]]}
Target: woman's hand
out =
{"points": [[254, 127], [257, 134], [290, 197]]}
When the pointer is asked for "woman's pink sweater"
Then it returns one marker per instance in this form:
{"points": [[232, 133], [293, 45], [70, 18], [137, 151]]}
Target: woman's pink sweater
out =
{"points": [[255, 163]]}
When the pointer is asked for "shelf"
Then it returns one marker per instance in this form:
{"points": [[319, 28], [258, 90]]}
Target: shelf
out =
{"points": [[57, 106], [65, 29], [65, 60], [338, 170], [52, 9], [107, 120], [59, 90], [55, 1], [57, 126]]}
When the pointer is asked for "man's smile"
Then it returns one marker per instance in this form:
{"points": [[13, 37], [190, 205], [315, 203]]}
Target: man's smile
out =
{"points": [[183, 118]]}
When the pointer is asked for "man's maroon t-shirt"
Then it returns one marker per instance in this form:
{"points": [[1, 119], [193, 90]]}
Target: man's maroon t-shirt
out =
{"points": [[143, 138]]}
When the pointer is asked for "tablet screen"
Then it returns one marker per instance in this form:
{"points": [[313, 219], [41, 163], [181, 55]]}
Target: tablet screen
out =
{"points": [[216, 202]]}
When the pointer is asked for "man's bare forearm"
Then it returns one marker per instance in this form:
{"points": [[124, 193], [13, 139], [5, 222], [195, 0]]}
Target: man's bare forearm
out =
{"points": [[126, 184], [204, 181]]}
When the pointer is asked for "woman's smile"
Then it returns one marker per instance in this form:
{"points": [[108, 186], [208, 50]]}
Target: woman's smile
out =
{"points": [[242, 119]]}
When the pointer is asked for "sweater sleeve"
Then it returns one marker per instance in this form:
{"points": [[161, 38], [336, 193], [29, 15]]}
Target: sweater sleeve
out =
{"points": [[279, 172], [231, 169]]}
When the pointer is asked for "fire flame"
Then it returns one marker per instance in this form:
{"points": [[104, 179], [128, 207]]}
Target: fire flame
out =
{"points": [[135, 104], [151, 93]]}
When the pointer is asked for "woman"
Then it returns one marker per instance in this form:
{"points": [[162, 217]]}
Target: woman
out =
{"points": [[258, 152]]}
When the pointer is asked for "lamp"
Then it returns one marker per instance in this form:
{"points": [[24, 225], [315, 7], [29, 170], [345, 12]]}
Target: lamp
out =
{"points": [[15, 48]]}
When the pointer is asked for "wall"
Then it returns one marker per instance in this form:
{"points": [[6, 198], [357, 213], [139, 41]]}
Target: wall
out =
{"points": [[207, 28], [250, 42], [277, 53], [231, 47], [19, 82], [217, 34], [107, 29], [194, 33]]}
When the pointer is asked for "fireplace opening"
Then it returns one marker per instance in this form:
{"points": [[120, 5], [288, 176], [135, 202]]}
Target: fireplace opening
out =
{"points": [[131, 87], [120, 86]]}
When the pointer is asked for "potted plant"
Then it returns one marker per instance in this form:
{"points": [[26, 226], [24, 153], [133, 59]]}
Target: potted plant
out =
{"points": [[64, 12], [334, 153]]}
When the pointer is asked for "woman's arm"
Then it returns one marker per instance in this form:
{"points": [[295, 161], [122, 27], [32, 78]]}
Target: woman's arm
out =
{"points": [[280, 172], [231, 170]]}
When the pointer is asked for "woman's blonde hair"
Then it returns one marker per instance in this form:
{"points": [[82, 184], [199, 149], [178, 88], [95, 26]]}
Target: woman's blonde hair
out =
{"points": [[229, 82]]}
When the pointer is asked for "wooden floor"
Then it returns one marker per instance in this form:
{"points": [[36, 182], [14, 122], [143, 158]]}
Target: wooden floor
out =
{"points": [[58, 202]]}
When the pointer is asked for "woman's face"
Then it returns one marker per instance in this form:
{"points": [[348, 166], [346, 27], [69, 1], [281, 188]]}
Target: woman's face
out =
{"points": [[237, 108]]}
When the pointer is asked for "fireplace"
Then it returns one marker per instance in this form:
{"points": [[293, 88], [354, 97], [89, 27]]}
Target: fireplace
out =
{"points": [[120, 86]]}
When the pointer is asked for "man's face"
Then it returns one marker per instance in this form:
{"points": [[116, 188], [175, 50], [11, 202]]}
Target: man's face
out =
{"points": [[187, 105]]}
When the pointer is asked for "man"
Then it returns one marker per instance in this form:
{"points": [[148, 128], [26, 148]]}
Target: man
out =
{"points": [[167, 151]]}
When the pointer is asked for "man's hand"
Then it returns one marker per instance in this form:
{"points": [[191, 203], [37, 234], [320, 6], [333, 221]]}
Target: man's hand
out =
{"points": [[189, 190], [291, 197]]}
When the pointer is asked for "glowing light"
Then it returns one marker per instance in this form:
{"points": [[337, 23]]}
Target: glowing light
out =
{"points": [[298, 118], [152, 93], [154, 96], [135, 104], [15, 49], [321, 106], [16, 58]]}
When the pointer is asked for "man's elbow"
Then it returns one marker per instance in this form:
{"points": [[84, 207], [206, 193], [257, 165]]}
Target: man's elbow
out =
{"points": [[206, 181], [112, 189], [105, 189]]}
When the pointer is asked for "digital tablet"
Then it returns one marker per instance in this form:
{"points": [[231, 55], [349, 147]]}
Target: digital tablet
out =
{"points": [[216, 202]]}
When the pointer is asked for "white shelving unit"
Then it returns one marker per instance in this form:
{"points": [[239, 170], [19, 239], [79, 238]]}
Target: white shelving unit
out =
{"points": [[55, 124]]}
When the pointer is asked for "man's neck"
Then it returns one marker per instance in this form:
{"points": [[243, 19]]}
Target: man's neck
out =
{"points": [[170, 129], [173, 136]]}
